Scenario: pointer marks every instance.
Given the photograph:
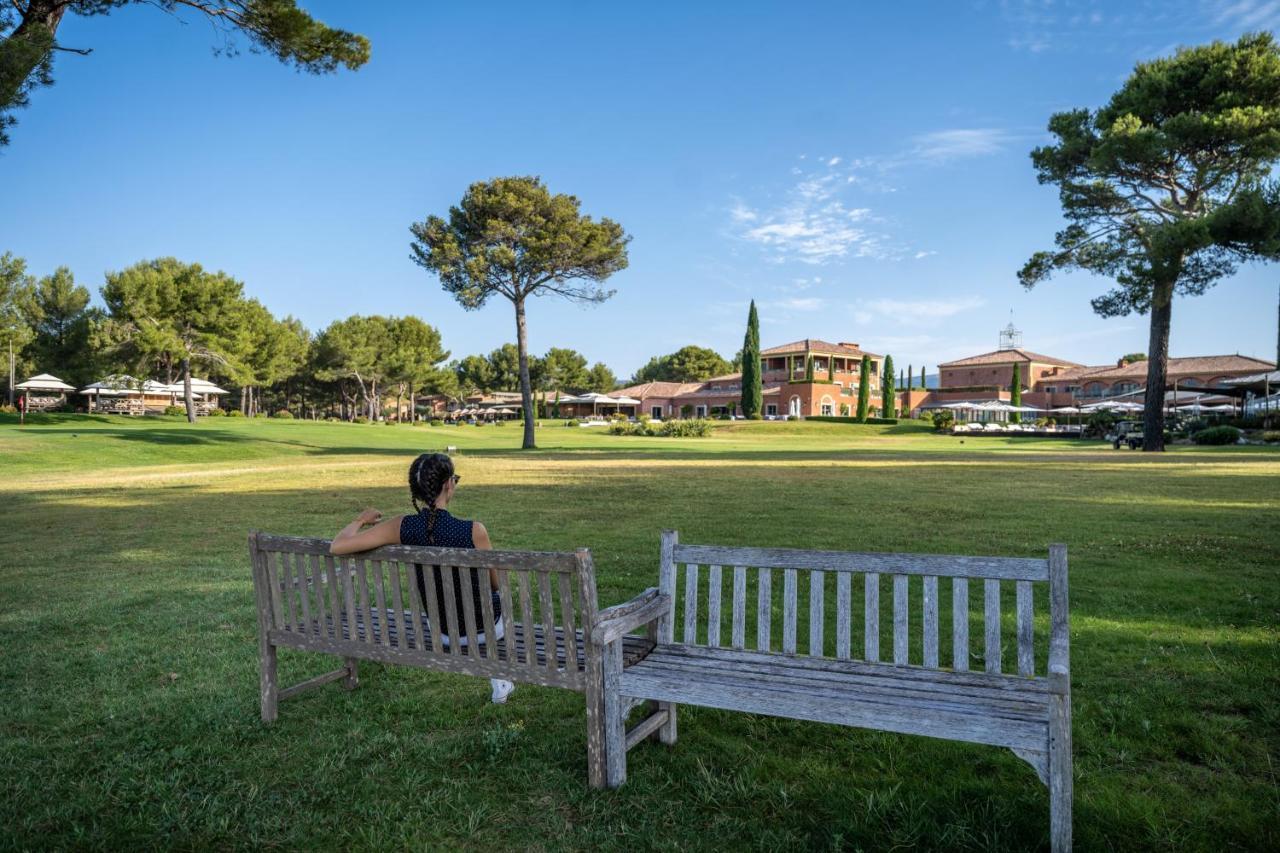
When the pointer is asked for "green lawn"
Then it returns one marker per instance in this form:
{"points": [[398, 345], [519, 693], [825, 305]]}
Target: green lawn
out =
{"points": [[128, 680]]}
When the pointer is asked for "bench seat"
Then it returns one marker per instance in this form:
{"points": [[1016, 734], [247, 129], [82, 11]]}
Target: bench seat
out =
{"points": [[634, 648], [971, 707]]}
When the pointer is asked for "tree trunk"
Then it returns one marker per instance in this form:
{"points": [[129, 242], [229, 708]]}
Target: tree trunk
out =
{"points": [[1157, 368], [413, 409], [526, 391], [186, 391], [27, 46]]}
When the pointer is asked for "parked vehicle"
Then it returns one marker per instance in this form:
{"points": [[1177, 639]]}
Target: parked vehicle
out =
{"points": [[1125, 433]]}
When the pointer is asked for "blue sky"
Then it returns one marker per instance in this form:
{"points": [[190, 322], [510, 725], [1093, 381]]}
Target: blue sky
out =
{"points": [[860, 170]]}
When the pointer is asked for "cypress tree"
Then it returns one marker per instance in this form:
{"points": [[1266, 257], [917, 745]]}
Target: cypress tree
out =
{"points": [[1015, 395], [864, 389], [887, 402], [808, 367], [911, 377], [752, 387]]}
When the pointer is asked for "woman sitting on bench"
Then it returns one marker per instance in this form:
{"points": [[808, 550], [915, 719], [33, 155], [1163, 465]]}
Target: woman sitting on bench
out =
{"points": [[431, 487]]}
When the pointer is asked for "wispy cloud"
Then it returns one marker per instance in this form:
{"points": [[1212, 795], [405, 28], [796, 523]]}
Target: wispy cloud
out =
{"points": [[814, 224], [1245, 14], [942, 146]]}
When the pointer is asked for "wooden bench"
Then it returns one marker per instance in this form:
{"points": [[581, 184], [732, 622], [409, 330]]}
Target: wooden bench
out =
{"points": [[760, 669], [369, 606]]}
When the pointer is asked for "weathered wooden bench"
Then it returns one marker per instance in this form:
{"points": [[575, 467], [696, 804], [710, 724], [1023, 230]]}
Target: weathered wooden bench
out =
{"points": [[914, 694], [369, 606]]}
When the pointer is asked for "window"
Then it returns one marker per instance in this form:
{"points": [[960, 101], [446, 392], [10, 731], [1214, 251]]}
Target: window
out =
{"points": [[1190, 382], [1124, 387], [656, 412], [701, 411], [827, 410], [1073, 389], [1095, 389], [771, 410]]}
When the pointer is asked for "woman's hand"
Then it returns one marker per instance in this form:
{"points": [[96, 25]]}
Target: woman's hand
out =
{"points": [[369, 530], [369, 516]]}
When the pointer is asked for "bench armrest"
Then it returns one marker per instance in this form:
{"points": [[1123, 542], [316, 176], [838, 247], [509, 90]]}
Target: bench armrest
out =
{"points": [[613, 622]]}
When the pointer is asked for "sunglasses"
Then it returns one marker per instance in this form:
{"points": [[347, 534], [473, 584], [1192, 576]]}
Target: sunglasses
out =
{"points": [[455, 478]]}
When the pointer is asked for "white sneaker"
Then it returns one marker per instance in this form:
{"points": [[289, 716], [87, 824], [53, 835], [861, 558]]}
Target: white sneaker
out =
{"points": [[501, 690]]}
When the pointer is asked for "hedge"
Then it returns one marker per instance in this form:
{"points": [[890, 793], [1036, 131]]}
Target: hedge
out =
{"points": [[845, 420]]}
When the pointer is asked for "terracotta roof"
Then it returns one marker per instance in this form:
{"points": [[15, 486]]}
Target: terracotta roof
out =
{"points": [[1008, 356], [658, 389], [822, 347], [733, 393], [1192, 366]]}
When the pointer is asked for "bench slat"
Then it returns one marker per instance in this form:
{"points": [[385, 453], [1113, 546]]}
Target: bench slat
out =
{"points": [[448, 626], [434, 627], [379, 598], [991, 597], [843, 616], [691, 603], [713, 606], [321, 591], [960, 624], [547, 617], [789, 612], [816, 612], [935, 695], [349, 599], [942, 565], [871, 620], [364, 612], [901, 619], [764, 609], [304, 593], [738, 635], [842, 708], [953, 680], [931, 622], [466, 580], [335, 595], [504, 597], [566, 617], [1026, 652], [526, 615], [397, 604]]}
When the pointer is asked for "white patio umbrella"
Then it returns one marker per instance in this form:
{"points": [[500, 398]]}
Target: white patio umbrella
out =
{"points": [[44, 382]]}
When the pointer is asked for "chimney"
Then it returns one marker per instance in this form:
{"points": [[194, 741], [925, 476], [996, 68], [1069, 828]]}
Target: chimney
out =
{"points": [[1123, 362], [847, 344]]}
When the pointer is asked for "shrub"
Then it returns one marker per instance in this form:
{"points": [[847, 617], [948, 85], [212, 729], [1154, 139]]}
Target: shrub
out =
{"points": [[360, 419], [6, 409], [1217, 435], [215, 412], [572, 422], [844, 410], [1099, 424], [175, 410], [283, 414], [330, 419], [235, 413], [848, 420], [618, 416], [1271, 436], [697, 428], [943, 419], [437, 422], [619, 428]]}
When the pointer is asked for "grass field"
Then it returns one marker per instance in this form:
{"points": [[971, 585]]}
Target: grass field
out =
{"points": [[128, 680]]}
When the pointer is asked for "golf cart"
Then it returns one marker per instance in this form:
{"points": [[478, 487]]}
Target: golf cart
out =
{"points": [[1125, 433]]}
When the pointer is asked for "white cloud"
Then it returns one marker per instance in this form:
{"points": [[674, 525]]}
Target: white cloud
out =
{"points": [[834, 161], [923, 254], [1246, 14], [941, 146]]}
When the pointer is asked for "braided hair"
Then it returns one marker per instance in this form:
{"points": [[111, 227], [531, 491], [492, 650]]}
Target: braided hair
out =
{"points": [[427, 477]]}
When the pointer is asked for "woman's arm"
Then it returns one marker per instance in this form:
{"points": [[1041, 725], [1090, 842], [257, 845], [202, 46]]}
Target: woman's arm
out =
{"points": [[358, 536], [480, 538]]}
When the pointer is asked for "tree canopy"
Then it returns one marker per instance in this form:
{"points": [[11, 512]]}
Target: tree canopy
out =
{"points": [[1165, 188], [29, 39], [512, 237], [687, 364]]}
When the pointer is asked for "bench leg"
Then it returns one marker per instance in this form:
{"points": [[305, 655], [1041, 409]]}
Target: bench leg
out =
{"points": [[1060, 773], [595, 719], [268, 683], [615, 727], [353, 674], [667, 732]]}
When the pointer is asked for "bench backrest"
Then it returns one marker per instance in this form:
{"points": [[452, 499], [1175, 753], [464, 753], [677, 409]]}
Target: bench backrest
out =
{"points": [[310, 599], [737, 595]]}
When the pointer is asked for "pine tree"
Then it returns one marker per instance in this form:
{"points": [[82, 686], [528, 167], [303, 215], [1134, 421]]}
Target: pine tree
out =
{"points": [[887, 402], [1015, 395], [752, 386], [864, 389]]}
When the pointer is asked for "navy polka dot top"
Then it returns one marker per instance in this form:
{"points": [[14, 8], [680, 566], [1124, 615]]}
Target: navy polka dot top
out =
{"points": [[449, 532]]}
